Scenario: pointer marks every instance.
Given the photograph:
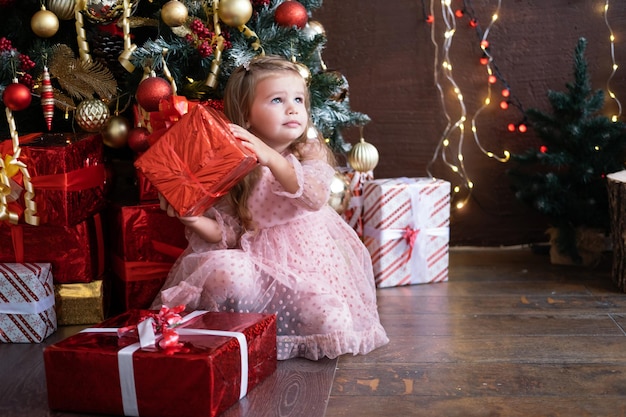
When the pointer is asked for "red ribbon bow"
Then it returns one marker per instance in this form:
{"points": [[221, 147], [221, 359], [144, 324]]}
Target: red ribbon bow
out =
{"points": [[410, 235], [163, 323]]}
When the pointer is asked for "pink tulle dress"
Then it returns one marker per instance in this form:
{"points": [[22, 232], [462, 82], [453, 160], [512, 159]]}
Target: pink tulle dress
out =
{"points": [[304, 263]]}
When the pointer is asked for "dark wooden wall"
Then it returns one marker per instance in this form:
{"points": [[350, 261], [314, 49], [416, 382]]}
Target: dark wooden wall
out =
{"points": [[384, 49]]}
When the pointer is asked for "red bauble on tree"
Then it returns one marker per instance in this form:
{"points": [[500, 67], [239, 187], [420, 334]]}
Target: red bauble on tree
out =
{"points": [[291, 13], [16, 96], [138, 139], [150, 92]]}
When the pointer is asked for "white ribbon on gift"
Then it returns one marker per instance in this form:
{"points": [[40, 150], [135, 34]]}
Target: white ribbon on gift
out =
{"points": [[125, 356], [30, 307], [417, 261]]}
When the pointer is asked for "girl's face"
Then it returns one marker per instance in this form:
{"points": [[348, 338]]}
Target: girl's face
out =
{"points": [[278, 114]]}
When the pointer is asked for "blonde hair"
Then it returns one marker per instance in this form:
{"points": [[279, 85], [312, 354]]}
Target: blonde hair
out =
{"points": [[238, 98]]}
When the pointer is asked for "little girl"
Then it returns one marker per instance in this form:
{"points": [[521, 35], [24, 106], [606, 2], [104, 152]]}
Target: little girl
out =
{"points": [[273, 245]]}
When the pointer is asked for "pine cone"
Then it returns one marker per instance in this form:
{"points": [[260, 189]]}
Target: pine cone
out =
{"points": [[106, 48]]}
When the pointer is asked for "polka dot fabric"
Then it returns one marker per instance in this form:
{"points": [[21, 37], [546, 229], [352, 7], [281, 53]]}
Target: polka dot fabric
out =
{"points": [[304, 263]]}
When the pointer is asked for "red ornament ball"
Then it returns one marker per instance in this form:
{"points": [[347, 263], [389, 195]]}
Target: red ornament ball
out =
{"points": [[150, 92], [16, 97], [138, 139], [291, 13]]}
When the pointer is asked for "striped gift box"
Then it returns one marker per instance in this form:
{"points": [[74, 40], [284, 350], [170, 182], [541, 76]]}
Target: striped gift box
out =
{"points": [[406, 230], [27, 312]]}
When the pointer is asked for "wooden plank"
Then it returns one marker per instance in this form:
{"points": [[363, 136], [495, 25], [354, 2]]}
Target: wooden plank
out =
{"points": [[476, 325], [299, 387], [501, 379], [515, 349], [517, 304], [577, 404]]}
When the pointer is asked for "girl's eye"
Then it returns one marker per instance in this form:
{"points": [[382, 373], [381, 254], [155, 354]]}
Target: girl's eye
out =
{"points": [[277, 100], [299, 100]]}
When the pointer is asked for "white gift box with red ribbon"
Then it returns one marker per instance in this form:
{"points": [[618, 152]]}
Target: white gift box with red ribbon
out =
{"points": [[406, 224], [27, 313]]}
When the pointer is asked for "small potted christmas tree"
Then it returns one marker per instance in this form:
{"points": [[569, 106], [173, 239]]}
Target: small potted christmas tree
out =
{"points": [[565, 177]]}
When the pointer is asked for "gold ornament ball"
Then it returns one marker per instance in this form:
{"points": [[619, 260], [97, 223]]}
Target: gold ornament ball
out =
{"points": [[64, 9], [44, 23], [174, 13], [91, 115], [115, 132], [313, 28], [363, 156], [235, 13], [340, 193]]}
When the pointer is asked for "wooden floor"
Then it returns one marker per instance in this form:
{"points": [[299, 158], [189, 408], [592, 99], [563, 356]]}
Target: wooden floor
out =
{"points": [[509, 335]]}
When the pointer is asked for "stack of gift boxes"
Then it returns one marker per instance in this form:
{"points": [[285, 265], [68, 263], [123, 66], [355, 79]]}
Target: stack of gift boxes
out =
{"points": [[68, 177], [95, 259]]}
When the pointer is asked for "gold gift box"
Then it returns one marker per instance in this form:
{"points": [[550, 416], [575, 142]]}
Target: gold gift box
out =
{"points": [[79, 303]]}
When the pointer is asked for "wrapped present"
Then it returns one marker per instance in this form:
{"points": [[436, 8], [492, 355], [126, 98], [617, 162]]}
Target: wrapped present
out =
{"points": [[406, 229], [147, 192], [145, 243], [75, 252], [79, 303], [27, 312], [67, 174], [196, 161], [199, 368]]}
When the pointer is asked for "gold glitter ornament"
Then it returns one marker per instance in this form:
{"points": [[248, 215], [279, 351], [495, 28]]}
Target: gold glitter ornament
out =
{"points": [[339, 193], [44, 23], [174, 13], [363, 156], [64, 9], [235, 13], [91, 115]]}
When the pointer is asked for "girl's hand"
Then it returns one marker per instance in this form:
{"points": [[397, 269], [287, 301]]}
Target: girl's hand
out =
{"points": [[165, 206], [207, 228], [262, 151]]}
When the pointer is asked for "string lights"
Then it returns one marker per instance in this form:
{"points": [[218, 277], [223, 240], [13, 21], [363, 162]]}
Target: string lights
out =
{"points": [[456, 128], [614, 66], [450, 145]]}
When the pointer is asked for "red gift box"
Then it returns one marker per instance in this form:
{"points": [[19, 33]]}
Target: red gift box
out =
{"points": [[196, 161], [145, 243], [147, 192], [99, 372], [27, 313], [67, 173], [76, 253]]}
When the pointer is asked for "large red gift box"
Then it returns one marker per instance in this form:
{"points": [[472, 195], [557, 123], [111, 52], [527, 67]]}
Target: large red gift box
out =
{"points": [[196, 161], [75, 252], [406, 230], [27, 313], [67, 173], [144, 243], [96, 371]]}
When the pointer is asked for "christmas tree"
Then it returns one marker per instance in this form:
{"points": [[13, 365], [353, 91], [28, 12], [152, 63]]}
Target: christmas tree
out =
{"points": [[565, 177], [103, 50]]}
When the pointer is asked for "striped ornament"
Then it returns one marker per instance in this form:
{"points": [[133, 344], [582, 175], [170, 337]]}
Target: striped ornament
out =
{"points": [[47, 98]]}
